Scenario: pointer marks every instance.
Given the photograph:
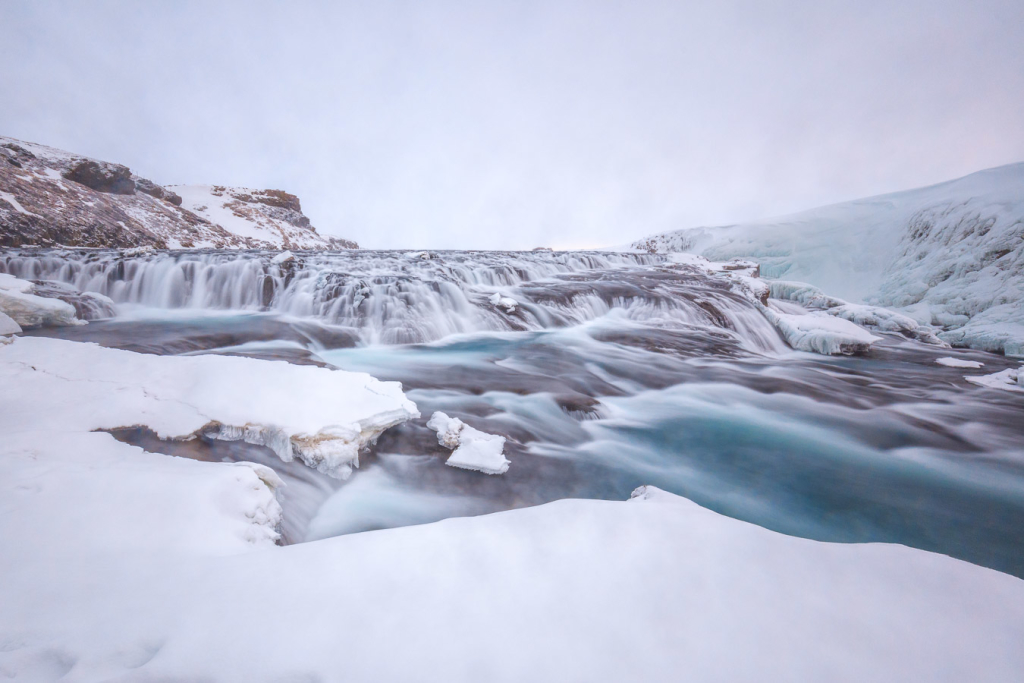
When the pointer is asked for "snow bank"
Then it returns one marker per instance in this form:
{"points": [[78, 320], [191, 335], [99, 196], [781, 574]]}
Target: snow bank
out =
{"points": [[473, 449], [654, 588], [959, 363], [952, 253], [821, 333], [323, 417]]}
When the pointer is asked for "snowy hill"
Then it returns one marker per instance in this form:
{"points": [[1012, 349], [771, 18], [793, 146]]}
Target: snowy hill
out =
{"points": [[950, 254], [50, 197]]}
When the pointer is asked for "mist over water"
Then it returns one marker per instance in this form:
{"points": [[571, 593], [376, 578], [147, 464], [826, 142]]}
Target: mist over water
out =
{"points": [[611, 371]]}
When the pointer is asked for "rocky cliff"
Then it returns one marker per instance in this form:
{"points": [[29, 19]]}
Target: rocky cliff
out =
{"points": [[49, 197]]}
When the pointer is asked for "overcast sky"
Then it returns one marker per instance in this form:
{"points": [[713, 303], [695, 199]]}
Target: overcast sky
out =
{"points": [[520, 124]]}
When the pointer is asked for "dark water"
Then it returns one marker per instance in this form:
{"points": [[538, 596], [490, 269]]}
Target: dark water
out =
{"points": [[614, 371]]}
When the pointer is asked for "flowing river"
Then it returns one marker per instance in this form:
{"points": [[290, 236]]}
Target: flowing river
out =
{"points": [[604, 371]]}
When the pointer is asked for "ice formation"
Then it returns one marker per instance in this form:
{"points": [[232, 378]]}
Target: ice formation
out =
{"points": [[872, 317], [319, 416], [950, 255], [28, 310], [472, 449], [959, 363], [821, 333], [1008, 379], [506, 303]]}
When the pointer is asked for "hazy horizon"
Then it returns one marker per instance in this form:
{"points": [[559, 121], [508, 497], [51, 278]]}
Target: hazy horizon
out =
{"points": [[534, 124]]}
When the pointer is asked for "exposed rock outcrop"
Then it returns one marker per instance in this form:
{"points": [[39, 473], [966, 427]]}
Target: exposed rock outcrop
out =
{"points": [[49, 198]]}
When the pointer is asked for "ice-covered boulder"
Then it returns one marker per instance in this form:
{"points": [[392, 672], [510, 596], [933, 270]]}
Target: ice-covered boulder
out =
{"points": [[472, 449], [18, 301], [88, 305]]}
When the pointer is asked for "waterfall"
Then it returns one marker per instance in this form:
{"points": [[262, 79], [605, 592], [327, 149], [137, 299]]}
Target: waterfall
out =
{"points": [[406, 297]]}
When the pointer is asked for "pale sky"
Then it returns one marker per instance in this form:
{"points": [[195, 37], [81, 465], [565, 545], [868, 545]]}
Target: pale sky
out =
{"points": [[521, 124]]}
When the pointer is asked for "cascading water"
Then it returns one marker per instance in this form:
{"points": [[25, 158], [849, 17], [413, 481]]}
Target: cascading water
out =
{"points": [[402, 297], [608, 371]]}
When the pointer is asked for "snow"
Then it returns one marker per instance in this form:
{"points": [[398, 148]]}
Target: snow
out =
{"points": [[1008, 379], [473, 449], [959, 363], [9, 283], [283, 257], [321, 416], [8, 325], [10, 199], [573, 590], [138, 251], [504, 302], [820, 333], [946, 255]]}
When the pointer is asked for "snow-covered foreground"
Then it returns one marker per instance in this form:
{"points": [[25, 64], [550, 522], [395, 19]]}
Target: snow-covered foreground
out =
{"points": [[124, 565], [656, 588], [950, 255]]}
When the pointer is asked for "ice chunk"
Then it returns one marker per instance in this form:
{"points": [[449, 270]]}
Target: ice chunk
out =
{"points": [[821, 333], [283, 257], [504, 302], [1008, 379], [958, 363], [473, 449]]}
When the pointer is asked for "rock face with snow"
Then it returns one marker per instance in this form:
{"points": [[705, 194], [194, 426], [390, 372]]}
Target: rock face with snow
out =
{"points": [[49, 197], [951, 254], [269, 217]]}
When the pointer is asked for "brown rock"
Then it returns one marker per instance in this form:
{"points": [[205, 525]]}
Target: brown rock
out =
{"points": [[102, 177]]}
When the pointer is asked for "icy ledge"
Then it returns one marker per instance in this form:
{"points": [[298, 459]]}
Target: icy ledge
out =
{"points": [[323, 417]]}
